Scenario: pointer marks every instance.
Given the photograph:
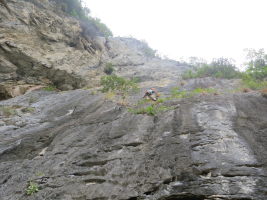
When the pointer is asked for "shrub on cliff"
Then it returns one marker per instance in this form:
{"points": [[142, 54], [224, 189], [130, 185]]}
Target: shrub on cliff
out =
{"points": [[256, 64], [148, 51], [219, 68], [80, 12], [119, 84], [109, 68], [255, 76]]}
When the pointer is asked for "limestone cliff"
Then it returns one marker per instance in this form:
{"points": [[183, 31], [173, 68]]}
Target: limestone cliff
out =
{"points": [[40, 44], [81, 145]]}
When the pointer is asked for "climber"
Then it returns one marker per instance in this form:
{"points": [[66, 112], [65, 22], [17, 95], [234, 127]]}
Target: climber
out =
{"points": [[3, 3], [151, 94]]}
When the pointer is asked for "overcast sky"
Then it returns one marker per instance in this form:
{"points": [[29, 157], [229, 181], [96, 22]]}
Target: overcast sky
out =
{"points": [[184, 28]]}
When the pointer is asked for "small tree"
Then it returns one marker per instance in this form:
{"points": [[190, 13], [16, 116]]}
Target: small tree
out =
{"points": [[257, 63]]}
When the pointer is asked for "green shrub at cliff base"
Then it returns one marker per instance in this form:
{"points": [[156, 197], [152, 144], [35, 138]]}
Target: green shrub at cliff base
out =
{"points": [[109, 68], [119, 84]]}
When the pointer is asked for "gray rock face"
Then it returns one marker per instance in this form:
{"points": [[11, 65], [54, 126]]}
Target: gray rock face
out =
{"points": [[76, 145]]}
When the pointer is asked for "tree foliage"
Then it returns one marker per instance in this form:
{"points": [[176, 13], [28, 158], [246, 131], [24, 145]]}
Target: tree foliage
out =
{"points": [[82, 13], [257, 64], [254, 77], [219, 68], [256, 69]]}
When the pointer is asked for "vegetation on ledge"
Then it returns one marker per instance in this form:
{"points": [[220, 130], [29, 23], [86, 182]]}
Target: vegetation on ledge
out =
{"points": [[254, 77]]}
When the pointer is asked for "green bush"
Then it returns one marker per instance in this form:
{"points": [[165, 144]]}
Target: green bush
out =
{"points": [[259, 72], [119, 84], [188, 74], [218, 68], [32, 188], [251, 82], [257, 64], [109, 68], [256, 73]]}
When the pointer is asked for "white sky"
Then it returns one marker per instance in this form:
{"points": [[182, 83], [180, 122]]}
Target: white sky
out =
{"points": [[184, 28]]}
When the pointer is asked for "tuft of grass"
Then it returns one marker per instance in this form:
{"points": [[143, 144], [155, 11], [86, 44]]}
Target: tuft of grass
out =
{"points": [[110, 95], [177, 93], [203, 90], [50, 88], [8, 110], [143, 101], [32, 188], [151, 110], [40, 174], [93, 92], [28, 110], [32, 100], [161, 100]]}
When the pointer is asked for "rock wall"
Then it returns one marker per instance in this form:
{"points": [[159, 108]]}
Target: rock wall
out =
{"points": [[77, 145]]}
